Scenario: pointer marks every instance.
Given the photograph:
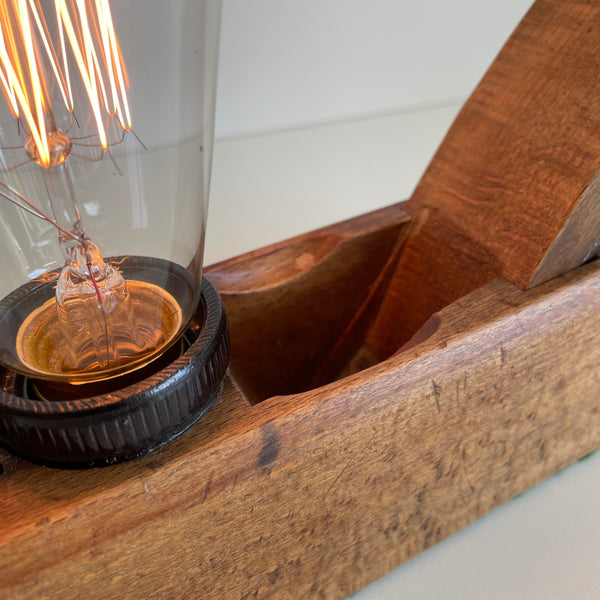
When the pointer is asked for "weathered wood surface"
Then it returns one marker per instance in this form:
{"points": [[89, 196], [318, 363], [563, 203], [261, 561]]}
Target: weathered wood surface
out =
{"points": [[315, 495], [509, 191]]}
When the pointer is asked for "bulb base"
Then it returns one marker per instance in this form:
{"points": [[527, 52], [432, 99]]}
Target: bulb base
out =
{"points": [[121, 423]]}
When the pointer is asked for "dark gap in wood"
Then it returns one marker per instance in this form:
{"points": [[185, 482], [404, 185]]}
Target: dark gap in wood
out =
{"points": [[299, 311]]}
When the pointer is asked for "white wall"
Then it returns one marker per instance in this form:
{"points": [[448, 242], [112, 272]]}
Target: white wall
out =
{"points": [[289, 63], [330, 108]]}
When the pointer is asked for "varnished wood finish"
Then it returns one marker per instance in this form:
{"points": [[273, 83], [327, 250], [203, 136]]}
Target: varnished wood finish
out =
{"points": [[317, 494], [508, 189]]}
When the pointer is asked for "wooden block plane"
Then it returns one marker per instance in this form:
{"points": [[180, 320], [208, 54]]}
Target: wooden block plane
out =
{"points": [[393, 377]]}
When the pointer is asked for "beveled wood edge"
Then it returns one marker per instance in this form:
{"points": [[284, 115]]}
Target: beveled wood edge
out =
{"points": [[370, 221], [577, 241]]}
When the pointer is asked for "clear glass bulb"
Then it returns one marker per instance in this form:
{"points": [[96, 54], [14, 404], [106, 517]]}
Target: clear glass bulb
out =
{"points": [[106, 124]]}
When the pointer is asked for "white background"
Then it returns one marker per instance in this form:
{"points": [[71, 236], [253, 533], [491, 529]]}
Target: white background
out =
{"points": [[327, 109], [289, 63]]}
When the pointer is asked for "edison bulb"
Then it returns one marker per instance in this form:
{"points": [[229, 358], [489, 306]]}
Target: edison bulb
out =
{"points": [[105, 144]]}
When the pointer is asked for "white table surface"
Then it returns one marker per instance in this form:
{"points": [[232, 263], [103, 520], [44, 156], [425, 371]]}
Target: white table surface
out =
{"points": [[544, 544]]}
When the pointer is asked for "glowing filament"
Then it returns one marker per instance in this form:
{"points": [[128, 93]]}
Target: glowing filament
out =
{"points": [[28, 56]]}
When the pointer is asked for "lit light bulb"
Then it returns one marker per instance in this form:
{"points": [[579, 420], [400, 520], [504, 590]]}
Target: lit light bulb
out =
{"points": [[65, 82], [111, 342]]}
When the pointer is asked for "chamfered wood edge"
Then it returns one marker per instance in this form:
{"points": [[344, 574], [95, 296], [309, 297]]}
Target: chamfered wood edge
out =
{"points": [[269, 266], [316, 495], [577, 241]]}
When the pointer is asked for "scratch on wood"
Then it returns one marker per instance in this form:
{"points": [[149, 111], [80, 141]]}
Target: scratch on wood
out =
{"points": [[205, 492], [436, 392], [502, 356], [337, 478], [367, 445]]}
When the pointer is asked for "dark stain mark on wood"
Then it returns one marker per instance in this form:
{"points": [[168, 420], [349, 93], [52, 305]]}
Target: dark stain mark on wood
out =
{"points": [[270, 447], [436, 392]]}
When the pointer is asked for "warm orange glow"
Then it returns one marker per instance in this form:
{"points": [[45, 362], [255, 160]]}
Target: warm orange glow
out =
{"points": [[29, 63]]}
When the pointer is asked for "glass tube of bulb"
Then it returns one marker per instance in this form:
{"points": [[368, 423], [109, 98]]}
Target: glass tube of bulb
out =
{"points": [[106, 128]]}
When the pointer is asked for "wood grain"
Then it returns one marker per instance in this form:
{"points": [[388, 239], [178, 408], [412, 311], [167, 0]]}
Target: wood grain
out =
{"points": [[508, 192], [315, 495]]}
